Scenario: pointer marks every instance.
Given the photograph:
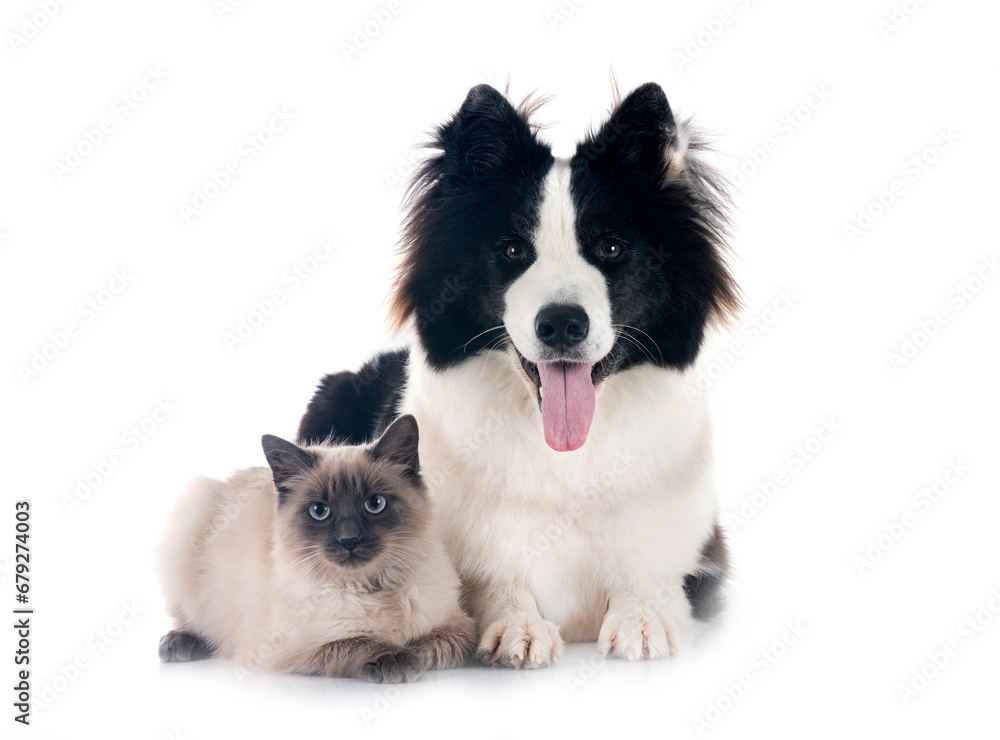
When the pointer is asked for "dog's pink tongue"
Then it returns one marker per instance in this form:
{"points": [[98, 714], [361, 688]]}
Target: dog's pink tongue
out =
{"points": [[567, 404]]}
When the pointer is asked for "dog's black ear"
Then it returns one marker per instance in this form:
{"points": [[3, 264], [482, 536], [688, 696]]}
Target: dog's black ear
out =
{"points": [[488, 137], [636, 139], [486, 162], [286, 460], [398, 445]]}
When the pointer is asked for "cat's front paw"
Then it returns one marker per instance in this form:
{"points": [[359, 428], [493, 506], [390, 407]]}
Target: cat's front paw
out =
{"points": [[179, 647], [401, 667], [638, 634], [521, 640]]}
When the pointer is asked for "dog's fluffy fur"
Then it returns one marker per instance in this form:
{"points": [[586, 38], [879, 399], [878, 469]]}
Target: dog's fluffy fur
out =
{"points": [[570, 516]]}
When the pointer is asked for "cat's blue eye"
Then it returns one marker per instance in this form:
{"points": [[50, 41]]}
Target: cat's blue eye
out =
{"points": [[319, 511], [375, 504]]}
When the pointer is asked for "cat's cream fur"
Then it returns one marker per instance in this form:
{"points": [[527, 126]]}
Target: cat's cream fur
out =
{"points": [[238, 580]]}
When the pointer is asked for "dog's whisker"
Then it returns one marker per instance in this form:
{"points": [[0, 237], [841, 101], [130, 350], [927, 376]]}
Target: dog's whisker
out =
{"points": [[635, 328], [493, 328]]}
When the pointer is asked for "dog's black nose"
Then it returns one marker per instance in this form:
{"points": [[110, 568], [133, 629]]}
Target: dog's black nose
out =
{"points": [[562, 326]]}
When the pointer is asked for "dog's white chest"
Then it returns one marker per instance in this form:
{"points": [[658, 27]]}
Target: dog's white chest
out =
{"points": [[632, 503]]}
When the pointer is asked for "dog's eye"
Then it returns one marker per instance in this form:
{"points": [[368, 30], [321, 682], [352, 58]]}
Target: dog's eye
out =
{"points": [[610, 249], [319, 511], [375, 504], [515, 251]]}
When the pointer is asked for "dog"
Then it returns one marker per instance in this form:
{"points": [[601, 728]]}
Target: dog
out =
{"points": [[559, 307]]}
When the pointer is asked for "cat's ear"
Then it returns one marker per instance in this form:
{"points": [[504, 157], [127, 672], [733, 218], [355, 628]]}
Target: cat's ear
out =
{"points": [[398, 445], [286, 460]]}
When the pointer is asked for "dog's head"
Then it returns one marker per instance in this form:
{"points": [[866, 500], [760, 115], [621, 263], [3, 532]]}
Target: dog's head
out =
{"points": [[579, 268]]}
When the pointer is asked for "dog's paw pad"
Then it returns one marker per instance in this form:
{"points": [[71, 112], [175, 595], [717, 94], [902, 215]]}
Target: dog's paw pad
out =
{"points": [[520, 641]]}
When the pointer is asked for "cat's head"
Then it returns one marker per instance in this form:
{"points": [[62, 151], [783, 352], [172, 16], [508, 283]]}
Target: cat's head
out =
{"points": [[350, 508]]}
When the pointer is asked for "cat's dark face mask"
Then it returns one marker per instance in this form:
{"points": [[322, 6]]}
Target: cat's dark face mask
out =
{"points": [[353, 506]]}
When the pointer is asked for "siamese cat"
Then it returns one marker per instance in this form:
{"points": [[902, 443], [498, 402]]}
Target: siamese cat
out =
{"points": [[326, 564]]}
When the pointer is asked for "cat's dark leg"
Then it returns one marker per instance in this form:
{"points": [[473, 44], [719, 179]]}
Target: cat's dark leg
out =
{"points": [[178, 646], [355, 408], [703, 588], [360, 657], [447, 646]]}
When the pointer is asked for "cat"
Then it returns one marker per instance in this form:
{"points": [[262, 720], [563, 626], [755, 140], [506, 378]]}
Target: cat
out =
{"points": [[327, 563]]}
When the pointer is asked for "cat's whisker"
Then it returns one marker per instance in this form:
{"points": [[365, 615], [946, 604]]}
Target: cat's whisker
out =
{"points": [[415, 553]]}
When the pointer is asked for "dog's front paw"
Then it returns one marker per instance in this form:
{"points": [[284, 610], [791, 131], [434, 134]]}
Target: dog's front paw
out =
{"points": [[400, 667], [521, 640], [638, 634]]}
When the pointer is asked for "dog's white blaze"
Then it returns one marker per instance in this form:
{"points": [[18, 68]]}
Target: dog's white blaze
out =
{"points": [[593, 539], [559, 274]]}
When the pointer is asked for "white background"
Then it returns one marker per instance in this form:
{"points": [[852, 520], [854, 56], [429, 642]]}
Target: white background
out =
{"points": [[336, 170]]}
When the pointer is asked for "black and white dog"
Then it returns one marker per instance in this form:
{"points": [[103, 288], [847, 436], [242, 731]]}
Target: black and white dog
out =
{"points": [[559, 307]]}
